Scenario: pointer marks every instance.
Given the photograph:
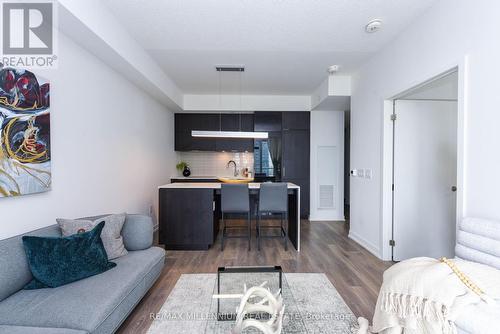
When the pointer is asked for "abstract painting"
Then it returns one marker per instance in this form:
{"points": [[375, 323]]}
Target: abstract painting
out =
{"points": [[25, 166]]}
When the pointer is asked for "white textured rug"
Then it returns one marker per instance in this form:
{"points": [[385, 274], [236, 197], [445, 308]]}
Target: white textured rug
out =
{"points": [[312, 305]]}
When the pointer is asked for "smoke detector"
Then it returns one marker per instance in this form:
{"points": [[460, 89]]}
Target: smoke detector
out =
{"points": [[373, 26], [333, 69]]}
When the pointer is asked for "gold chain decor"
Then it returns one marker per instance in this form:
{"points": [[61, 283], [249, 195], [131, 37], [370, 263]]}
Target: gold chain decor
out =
{"points": [[468, 283]]}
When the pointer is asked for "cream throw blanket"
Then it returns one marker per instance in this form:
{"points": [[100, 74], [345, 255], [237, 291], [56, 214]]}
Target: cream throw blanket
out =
{"points": [[424, 295]]}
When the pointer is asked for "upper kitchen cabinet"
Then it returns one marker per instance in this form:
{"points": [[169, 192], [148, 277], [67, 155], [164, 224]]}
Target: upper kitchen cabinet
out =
{"points": [[235, 122], [293, 120], [267, 121], [185, 123], [197, 121]]}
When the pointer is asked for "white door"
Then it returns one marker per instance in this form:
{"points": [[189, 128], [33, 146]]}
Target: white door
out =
{"points": [[425, 174]]}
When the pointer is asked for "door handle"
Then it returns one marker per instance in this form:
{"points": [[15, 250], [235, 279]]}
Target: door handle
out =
{"points": [[454, 188]]}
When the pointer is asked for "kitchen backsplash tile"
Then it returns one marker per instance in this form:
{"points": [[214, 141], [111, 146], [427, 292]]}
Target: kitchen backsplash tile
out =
{"points": [[215, 163]]}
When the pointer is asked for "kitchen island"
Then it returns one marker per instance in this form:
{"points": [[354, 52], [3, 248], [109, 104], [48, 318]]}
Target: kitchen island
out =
{"points": [[189, 214]]}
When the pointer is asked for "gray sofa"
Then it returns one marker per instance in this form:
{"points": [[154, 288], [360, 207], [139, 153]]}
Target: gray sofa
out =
{"points": [[98, 304]]}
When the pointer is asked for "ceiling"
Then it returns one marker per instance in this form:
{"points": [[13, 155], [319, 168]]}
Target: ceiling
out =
{"points": [[285, 45]]}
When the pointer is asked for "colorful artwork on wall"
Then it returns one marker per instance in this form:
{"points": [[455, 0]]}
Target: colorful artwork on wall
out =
{"points": [[25, 166]]}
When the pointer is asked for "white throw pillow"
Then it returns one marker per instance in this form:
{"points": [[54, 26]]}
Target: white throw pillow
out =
{"points": [[110, 235]]}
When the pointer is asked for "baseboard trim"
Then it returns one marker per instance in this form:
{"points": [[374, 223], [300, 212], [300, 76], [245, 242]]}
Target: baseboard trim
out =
{"points": [[365, 244], [335, 219], [325, 216]]}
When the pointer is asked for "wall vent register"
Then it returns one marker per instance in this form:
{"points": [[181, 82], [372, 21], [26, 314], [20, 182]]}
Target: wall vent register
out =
{"points": [[326, 196], [327, 177]]}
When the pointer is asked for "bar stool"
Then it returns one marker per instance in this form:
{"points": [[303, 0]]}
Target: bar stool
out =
{"points": [[273, 199], [235, 198]]}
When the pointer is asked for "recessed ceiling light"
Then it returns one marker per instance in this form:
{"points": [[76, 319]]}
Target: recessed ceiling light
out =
{"points": [[373, 26]]}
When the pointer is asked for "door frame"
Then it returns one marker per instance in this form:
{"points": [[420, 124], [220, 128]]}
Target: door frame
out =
{"points": [[461, 67]]}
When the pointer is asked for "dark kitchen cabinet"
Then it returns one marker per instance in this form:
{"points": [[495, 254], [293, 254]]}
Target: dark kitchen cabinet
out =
{"points": [[186, 123], [296, 154], [269, 121], [184, 141], [293, 128], [296, 162], [197, 121], [293, 120], [235, 122], [187, 219]]}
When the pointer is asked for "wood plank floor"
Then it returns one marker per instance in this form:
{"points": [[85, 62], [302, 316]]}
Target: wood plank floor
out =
{"points": [[355, 273]]}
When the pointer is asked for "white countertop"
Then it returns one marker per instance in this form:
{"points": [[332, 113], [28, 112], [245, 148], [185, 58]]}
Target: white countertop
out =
{"points": [[196, 177], [213, 185]]}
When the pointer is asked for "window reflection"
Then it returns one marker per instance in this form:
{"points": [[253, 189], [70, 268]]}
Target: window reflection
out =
{"points": [[262, 159], [267, 159]]}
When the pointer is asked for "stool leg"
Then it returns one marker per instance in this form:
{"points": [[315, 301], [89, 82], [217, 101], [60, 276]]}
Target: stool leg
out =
{"points": [[258, 231], [223, 231], [282, 231], [249, 223], [285, 231]]}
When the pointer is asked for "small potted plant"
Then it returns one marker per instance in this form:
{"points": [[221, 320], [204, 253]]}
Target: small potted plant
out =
{"points": [[184, 168]]}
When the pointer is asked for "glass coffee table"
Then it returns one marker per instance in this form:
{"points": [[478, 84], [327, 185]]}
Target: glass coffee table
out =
{"points": [[231, 280]]}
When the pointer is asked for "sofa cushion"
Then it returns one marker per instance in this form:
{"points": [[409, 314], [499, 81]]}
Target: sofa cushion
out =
{"points": [[85, 304], [56, 261], [38, 330], [138, 232], [122, 310], [15, 272], [479, 318], [111, 234]]}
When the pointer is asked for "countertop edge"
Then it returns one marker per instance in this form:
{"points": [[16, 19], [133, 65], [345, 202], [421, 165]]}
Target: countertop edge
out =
{"points": [[212, 185]]}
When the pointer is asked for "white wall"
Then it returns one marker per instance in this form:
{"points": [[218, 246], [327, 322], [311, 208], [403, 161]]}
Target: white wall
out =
{"points": [[335, 88], [437, 41], [247, 102], [327, 130], [93, 25], [111, 145]]}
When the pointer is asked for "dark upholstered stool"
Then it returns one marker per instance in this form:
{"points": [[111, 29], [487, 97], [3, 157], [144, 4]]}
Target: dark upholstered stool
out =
{"points": [[273, 199], [235, 198]]}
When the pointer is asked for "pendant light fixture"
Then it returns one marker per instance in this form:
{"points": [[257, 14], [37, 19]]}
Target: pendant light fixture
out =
{"points": [[229, 134]]}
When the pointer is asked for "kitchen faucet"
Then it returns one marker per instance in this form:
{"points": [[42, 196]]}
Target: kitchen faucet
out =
{"points": [[235, 170]]}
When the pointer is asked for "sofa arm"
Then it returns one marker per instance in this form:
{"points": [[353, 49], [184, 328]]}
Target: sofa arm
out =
{"points": [[137, 232]]}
